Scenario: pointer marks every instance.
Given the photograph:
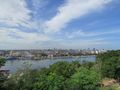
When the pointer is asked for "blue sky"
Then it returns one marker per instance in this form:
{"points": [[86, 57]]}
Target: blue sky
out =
{"points": [[76, 24]]}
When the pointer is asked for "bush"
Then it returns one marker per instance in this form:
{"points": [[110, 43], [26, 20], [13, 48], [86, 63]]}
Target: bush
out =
{"points": [[64, 69], [59, 76], [110, 64], [2, 76], [2, 62], [49, 82], [84, 79]]}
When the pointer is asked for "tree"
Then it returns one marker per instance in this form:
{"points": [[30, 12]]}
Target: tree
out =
{"points": [[59, 76], [110, 64], [84, 79], [2, 61], [64, 69], [2, 77], [49, 82]]}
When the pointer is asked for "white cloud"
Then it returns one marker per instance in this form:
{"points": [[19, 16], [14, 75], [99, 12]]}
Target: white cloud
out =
{"points": [[10, 36], [28, 41], [81, 33], [14, 12], [76, 44], [73, 9]]}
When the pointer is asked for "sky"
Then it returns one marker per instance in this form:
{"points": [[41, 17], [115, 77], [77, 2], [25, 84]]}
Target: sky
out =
{"points": [[62, 24]]}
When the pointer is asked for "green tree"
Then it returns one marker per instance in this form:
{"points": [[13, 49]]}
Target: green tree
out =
{"points": [[2, 62], [110, 64], [22, 80], [2, 77], [64, 69], [49, 82], [84, 79], [59, 76]]}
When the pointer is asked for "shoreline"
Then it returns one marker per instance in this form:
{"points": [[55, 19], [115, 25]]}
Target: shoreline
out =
{"points": [[45, 58]]}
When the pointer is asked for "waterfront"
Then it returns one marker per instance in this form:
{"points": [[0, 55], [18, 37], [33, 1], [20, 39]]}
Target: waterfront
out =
{"points": [[14, 65]]}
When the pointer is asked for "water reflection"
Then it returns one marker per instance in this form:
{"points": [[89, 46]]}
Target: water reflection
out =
{"points": [[14, 65]]}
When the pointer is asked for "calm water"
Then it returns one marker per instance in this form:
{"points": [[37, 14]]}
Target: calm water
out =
{"points": [[14, 65]]}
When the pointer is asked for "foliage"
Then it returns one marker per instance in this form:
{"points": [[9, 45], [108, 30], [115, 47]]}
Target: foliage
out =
{"points": [[59, 76], [2, 61], [21, 81], [68, 76], [84, 79], [2, 77], [64, 69], [88, 65], [49, 82], [110, 64]]}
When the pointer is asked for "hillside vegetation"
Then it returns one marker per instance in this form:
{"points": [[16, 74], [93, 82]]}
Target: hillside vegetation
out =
{"points": [[104, 74]]}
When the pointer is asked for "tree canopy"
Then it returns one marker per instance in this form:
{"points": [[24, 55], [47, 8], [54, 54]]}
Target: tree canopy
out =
{"points": [[67, 75], [110, 64]]}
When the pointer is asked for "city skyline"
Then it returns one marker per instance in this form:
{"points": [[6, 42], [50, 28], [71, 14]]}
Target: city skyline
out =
{"points": [[76, 24]]}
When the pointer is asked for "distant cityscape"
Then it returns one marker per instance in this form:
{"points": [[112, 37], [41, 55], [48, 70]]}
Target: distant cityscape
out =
{"points": [[47, 53]]}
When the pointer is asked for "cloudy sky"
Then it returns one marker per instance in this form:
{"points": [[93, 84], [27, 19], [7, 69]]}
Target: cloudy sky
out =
{"points": [[38, 24]]}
